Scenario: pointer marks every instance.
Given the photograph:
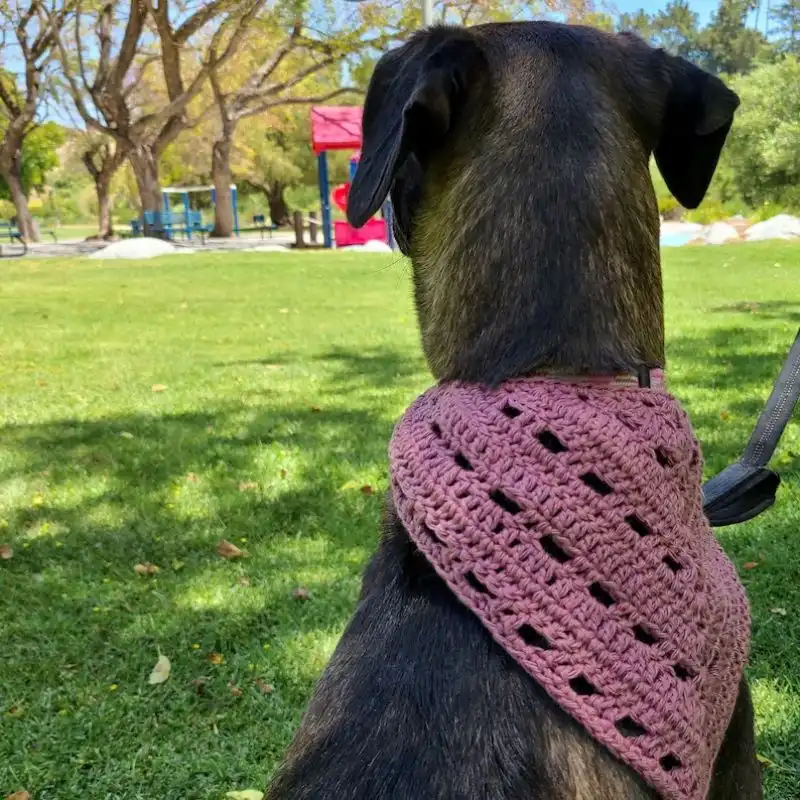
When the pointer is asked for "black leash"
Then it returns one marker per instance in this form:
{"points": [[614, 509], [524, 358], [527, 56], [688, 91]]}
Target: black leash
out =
{"points": [[745, 489]]}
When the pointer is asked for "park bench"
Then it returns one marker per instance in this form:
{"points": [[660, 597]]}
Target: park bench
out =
{"points": [[10, 231], [261, 225], [7, 230]]}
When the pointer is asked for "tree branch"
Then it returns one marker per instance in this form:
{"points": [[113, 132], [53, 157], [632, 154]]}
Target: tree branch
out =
{"points": [[128, 47], [294, 101], [200, 18], [277, 88], [8, 99], [104, 23]]}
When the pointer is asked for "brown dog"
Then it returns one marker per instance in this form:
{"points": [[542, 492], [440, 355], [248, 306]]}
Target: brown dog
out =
{"points": [[517, 160]]}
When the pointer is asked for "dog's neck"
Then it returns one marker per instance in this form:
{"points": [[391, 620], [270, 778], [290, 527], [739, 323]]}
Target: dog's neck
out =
{"points": [[571, 285]]}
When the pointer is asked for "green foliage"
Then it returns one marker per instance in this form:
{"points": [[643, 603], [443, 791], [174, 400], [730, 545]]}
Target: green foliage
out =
{"points": [[725, 46], [39, 156], [675, 28], [764, 144], [785, 28]]}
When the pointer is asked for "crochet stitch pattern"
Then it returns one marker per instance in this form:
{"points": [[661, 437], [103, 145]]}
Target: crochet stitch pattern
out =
{"points": [[568, 517]]}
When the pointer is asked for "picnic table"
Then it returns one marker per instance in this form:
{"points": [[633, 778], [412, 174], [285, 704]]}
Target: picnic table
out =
{"points": [[165, 225]]}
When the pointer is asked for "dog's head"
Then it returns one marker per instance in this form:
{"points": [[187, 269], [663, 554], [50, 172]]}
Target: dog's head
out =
{"points": [[517, 161]]}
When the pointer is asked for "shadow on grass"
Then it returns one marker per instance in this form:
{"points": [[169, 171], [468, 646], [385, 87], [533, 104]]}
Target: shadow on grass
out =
{"points": [[783, 310], [379, 368], [90, 499], [726, 377], [737, 367]]}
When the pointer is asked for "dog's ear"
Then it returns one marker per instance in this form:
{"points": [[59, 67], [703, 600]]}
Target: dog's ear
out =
{"points": [[697, 117], [413, 102]]}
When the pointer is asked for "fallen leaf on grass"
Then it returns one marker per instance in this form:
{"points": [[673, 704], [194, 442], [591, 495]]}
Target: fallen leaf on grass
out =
{"points": [[246, 794], [16, 712], [160, 671], [159, 387], [243, 580], [199, 685], [25, 796], [764, 761], [228, 550], [315, 409], [367, 490], [264, 687], [248, 486], [146, 569], [235, 690], [301, 594], [6, 552], [750, 565], [215, 658], [192, 478], [724, 415], [781, 611], [126, 435], [283, 473]]}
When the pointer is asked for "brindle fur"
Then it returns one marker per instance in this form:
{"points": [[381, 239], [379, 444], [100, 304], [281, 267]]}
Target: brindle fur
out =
{"points": [[517, 161]]}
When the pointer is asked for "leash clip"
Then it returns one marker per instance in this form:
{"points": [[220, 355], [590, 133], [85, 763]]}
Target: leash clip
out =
{"points": [[747, 488]]}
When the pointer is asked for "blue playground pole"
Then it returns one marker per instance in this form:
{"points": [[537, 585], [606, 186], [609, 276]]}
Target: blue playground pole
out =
{"points": [[235, 203], [325, 199], [387, 215], [187, 215]]}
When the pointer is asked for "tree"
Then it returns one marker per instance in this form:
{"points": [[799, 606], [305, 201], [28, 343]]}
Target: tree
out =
{"points": [[786, 25], [762, 148], [292, 61], [273, 153], [39, 156], [146, 64], [675, 28], [102, 157], [728, 45], [29, 32]]}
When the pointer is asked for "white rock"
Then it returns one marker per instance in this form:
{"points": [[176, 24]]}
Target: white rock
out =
{"points": [[783, 226], [138, 248], [719, 233]]}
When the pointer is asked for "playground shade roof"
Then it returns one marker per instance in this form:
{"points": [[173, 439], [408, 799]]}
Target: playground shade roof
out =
{"points": [[335, 128], [183, 189]]}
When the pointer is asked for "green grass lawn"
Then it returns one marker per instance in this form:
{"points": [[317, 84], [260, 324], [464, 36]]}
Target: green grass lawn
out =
{"points": [[150, 410]]}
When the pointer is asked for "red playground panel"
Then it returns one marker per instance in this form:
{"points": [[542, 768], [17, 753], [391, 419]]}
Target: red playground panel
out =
{"points": [[373, 231], [335, 128]]}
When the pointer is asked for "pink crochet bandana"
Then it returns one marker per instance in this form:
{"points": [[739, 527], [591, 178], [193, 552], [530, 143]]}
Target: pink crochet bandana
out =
{"points": [[568, 517]]}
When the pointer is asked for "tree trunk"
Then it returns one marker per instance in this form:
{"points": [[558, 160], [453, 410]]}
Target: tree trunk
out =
{"points": [[105, 225], [145, 169], [24, 219], [102, 172], [221, 175], [278, 209]]}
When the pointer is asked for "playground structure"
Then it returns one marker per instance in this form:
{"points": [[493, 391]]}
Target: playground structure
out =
{"points": [[191, 218], [339, 128]]}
